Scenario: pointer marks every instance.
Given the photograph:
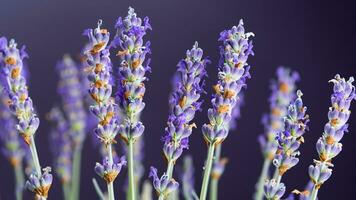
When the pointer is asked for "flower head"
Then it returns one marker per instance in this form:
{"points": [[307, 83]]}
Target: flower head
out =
{"points": [[109, 170], [11, 61], [274, 190], [329, 146], [184, 101], [163, 186], [233, 72], [283, 93], [40, 184], [131, 73], [291, 137]]}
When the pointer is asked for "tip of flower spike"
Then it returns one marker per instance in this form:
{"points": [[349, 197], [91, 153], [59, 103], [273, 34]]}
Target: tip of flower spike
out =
{"points": [[100, 22], [241, 22], [12, 43], [196, 45], [299, 93], [131, 11]]}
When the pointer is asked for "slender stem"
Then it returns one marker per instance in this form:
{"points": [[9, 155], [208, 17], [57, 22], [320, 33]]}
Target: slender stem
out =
{"points": [[278, 179], [19, 181], [66, 191], [98, 190], [207, 171], [275, 174], [263, 177], [314, 193], [215, 182], [130, 164], [170, 169], [34, 154], [75, 185], [110, 185]]}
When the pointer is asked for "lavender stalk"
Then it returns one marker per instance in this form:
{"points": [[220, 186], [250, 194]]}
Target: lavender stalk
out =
{"points": [[104, 108], [289, 141], [22, 107], [283, 93], [329, 146], [131, 89], [233, 72]]}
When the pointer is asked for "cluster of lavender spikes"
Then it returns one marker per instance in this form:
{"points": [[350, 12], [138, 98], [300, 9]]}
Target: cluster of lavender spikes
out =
{"points": [[289, 141], [21, 105], [120, 117], [283, 93]]}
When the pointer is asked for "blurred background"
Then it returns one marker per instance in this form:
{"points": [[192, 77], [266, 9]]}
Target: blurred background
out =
{"points": [[316, 38]]}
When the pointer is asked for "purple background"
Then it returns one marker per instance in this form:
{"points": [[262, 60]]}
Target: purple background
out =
{"points": [[315, 38]]}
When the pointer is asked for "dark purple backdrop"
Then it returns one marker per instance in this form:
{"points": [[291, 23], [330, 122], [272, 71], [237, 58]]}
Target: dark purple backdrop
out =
{"points": [[317, 39]]}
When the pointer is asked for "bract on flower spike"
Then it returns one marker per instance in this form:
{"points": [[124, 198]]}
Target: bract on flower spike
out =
{"points": [[11, 61], [232, 75], [283, 93], [104, 108], [132, 52], [289, 141], [328, 145]]}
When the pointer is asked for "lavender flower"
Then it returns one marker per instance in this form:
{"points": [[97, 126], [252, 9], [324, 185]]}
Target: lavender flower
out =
{"points": [[289, 140], [11, 62], [283, 92], [109, 170], [104, 109], [184, 103], [131, 72], [233, 72], [131, 76], [40, 184], [329, 146], [164, 186], [69, 87], [61, 145], [274, 190]]}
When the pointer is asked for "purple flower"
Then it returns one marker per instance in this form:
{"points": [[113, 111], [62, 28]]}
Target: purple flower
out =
{"points": [[283, 92], [184, 102], [163, 186], [274, 190], [61, 145], [131, 72], [69, 87], [11, 61], [233, 72], [109, 170], [40, 184], [329, 146], [291, 137]]}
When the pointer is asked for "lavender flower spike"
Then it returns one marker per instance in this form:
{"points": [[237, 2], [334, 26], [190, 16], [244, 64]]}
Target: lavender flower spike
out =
{"points": [[11, 64], [97, 56], [184, 103], [164, 186], [283, 93], [131, 76], [233, 72], [289, 140], [109, 170], [329, 146]]}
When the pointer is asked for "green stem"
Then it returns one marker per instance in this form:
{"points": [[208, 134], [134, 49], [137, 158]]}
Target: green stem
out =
{"points": [[263, 177], [19, 181], [207, 171], [98, 190], [36, 162], [275, 174], [110, 185], [75, 184], [130, 164], [66, 191], [215, 182], [170, 169], [314, 193]]}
